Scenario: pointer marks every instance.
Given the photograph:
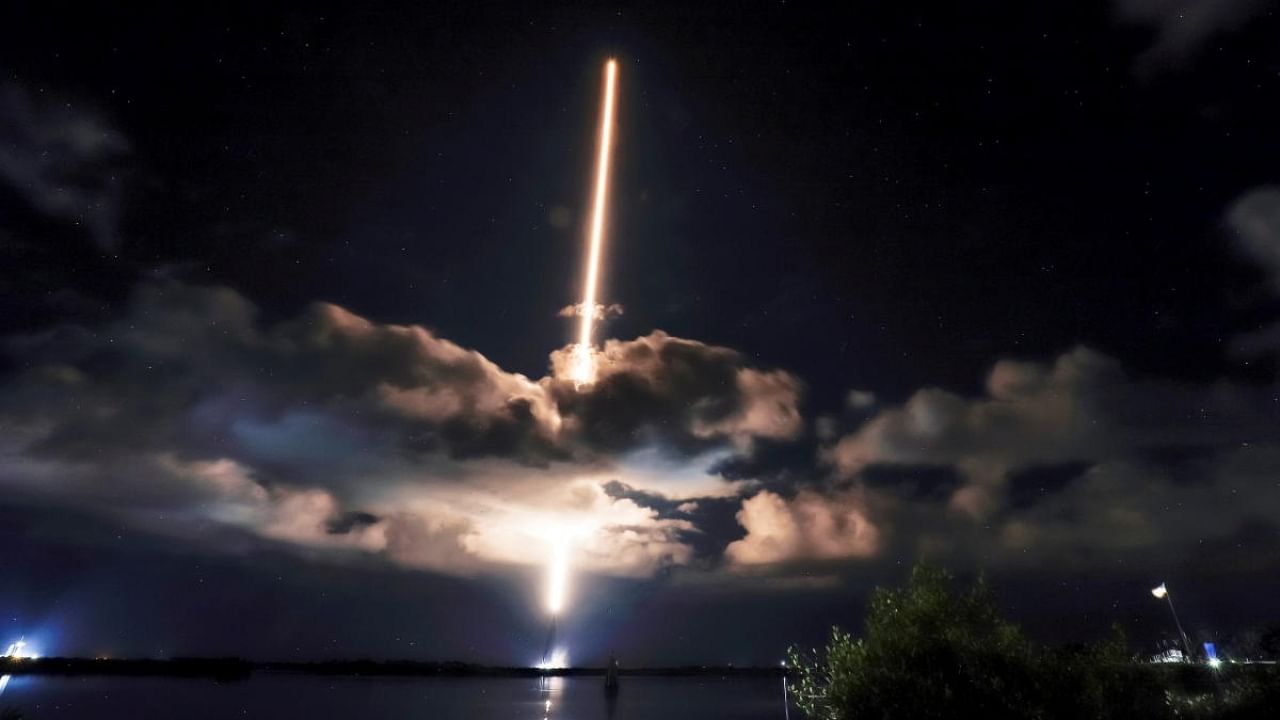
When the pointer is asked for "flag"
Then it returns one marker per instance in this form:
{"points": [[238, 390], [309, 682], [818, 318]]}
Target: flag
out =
{"points": [[1160, 591]]}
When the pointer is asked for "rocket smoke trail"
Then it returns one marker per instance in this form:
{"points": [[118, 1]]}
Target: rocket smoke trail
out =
{"points": [[584, 366]]}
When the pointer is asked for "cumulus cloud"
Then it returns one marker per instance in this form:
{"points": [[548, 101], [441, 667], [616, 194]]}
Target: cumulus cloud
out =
{"points": [[332, 432], [678, 392], [66, 163], [1071, 460], [1080, 408], [807, 526]]}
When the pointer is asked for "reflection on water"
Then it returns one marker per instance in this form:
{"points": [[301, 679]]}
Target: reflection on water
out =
{"points": [[274, 696], [549, 688], [4, 682]]}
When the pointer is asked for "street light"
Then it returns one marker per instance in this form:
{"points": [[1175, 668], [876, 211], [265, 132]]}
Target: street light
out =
{"points": [[1162, 592]]}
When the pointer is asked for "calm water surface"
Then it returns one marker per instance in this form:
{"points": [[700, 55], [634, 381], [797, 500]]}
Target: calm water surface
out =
{"points": [[300, 696]]}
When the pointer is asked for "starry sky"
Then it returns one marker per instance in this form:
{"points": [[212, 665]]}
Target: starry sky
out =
{"points": [[282, 359]]}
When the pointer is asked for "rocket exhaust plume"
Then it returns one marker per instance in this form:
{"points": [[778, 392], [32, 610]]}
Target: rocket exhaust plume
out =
{"points": [[557, 591], [558, 575], [584, 363]]}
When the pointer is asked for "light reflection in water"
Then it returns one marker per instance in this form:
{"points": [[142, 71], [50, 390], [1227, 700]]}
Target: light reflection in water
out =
{"points": [[549, 687]]}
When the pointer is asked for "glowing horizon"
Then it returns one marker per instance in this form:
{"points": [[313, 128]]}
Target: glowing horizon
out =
{"points": [[584, 369]]}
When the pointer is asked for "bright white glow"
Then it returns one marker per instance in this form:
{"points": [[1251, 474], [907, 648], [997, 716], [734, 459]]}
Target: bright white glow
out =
{"points": [[1160, 591], [558, 659], [20, 649], [584, 362], [1215, 663], [558, 574]]}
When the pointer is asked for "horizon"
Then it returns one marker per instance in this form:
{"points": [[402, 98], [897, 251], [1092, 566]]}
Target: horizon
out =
{"points": [[421, 332]]}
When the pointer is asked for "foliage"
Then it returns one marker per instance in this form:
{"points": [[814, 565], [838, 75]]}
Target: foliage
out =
{"points": [[926, 652], [1270, 643], [930, 651]]}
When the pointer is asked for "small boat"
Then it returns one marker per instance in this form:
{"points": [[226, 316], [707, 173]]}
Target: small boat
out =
{"points": [[611, 676]]}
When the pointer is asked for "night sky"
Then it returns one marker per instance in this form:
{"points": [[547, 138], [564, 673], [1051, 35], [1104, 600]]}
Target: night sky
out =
{"points": [[994, 285]]}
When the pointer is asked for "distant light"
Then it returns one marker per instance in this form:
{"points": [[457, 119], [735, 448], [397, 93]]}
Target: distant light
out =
{"points": [[1160, 591], [1215, 663]]}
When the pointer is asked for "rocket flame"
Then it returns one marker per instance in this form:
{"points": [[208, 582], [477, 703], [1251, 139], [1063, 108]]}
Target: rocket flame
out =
{"points": [[584, 361]]}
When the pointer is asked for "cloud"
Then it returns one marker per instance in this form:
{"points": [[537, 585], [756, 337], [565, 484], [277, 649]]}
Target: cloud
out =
{"points": [[602, 312], [188, 366], [334, 433], [680, 393], [1255, 221], [1073, 461], [66, 163], [1128, 506], [1182, 27], [860, 399], [1082, 407], [805, 527]]}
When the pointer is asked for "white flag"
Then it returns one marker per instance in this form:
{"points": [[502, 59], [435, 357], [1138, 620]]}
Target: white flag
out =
{"points": [[1160, 591]]}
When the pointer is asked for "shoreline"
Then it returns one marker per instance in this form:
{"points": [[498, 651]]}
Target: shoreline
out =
{"points": [[239, 669]]}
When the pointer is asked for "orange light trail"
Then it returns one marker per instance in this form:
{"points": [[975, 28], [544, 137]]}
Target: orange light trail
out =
{"points": [[584, 366]]}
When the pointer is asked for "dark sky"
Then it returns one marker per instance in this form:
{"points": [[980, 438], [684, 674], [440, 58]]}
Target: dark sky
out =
{"points": [[995, 285]]}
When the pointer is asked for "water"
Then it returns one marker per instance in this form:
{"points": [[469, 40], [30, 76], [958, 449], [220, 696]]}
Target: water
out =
{"points": [[303, 696]]}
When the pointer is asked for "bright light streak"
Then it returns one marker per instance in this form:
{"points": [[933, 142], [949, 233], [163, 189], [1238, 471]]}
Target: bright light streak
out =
{"points": [[558, 575], [18, 649], [584, 364]]}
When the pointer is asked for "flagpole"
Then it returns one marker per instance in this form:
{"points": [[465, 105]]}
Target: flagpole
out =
{"points": [[1186, 644]]}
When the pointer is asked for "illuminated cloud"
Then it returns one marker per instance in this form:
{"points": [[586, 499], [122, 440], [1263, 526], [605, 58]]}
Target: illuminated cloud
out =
{"points": [[806, 527], [603, 312], [333, 433], [682, 393]]}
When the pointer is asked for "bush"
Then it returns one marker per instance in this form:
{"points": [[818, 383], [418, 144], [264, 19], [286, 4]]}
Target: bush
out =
{"points": [[932, 652], [927, 652]]}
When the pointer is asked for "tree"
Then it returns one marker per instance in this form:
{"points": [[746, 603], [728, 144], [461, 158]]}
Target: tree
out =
{"points": [[1270, 643], [928, 653]]}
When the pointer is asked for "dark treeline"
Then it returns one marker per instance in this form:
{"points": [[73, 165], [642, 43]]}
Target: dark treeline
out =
{"points": [[225, 669], [930, 650]]}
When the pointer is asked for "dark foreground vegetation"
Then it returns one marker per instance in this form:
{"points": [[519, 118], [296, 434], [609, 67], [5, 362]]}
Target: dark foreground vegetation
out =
{"points": [[932, 651]]}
